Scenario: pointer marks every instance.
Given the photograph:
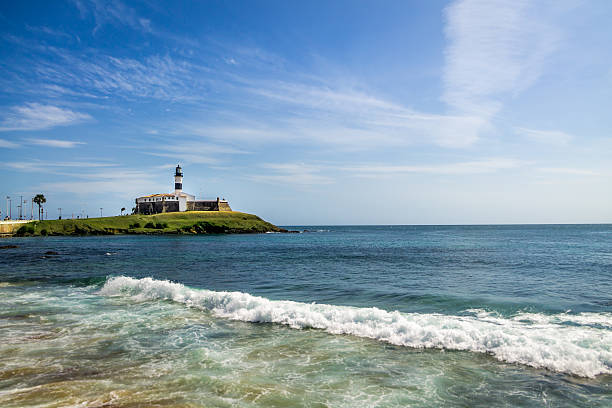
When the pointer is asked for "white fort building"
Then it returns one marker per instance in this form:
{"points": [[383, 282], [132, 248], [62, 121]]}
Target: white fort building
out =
{"points": [[177, 201]]}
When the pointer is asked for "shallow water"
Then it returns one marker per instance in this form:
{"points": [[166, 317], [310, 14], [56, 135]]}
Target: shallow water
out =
{"points": [[342, 316]]}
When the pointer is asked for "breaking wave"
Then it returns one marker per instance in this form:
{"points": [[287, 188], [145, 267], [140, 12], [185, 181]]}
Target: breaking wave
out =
{"points": [[579, 344]]}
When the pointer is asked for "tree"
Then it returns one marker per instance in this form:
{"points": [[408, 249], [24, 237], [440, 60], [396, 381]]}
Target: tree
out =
{"points": [[40, 200], [122, 210]]}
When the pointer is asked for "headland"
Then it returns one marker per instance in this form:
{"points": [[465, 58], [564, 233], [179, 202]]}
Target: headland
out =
{"points": [[189, 222]]}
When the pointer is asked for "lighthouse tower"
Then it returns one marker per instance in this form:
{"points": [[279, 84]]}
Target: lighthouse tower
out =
{"points": [[178, 180]]}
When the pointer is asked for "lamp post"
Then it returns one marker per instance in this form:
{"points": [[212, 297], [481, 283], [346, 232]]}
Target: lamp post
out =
{"points": [[7, 206], [60, 213], [100, 212]]}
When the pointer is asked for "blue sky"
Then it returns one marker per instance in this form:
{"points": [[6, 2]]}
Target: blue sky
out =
{"points": [[318, 112]]}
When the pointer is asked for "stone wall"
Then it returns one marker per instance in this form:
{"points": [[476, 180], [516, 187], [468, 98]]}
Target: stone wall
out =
{"points": [[201, 206], [8, 228], [224, 206], [208, 205], [157, 207]]}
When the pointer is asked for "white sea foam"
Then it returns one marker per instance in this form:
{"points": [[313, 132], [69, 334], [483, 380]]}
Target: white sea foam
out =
{"points": [[537, 340]]}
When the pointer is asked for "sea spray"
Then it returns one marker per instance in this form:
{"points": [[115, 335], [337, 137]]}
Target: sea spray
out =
{"points": [[576, 344]]}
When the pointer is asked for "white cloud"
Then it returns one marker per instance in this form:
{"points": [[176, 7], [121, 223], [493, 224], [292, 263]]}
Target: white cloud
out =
{"points": [[299, 174], [112, 12], [155, 77], [496, 48], [194, 152], [296, 109], [472, 167], [554, 137], [53, 167], [348, 118], [35, 116], [314, 174], [93, 177], [116, 181], [569, 171], [47, 31], [8, 144], [65, 144]]}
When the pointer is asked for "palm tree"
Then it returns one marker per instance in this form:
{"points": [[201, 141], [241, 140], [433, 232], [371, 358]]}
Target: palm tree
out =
{"points": [[40, 200], [122, 210]]}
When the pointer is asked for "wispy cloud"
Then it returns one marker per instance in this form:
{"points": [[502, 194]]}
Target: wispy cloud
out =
{"points": [[118, 13], [194, 151], [471, 167], [36, 116], [569, 171], [52, 166], [65, 144], [296, 108], [93, 177], [8, 144], [47, 31], [99, 75], [317, 174], [297, 174], [496, 49], [112, 12], [116, 181], [554, 137], [352, 119]]}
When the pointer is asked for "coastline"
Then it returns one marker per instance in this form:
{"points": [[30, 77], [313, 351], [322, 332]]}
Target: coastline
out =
{"points": [[190, 222]]}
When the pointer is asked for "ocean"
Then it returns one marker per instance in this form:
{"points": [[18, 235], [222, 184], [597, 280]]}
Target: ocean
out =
{"points": [[337, 316]]}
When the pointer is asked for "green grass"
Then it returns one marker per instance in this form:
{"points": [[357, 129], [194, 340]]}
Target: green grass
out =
{"points": [[191, 222]]}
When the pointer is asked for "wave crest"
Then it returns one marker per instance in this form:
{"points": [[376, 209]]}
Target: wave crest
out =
{"points": [[536, 340]]}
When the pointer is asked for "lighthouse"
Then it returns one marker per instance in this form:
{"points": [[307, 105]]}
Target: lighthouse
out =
{"points": [[178, 201], [178, 180]]}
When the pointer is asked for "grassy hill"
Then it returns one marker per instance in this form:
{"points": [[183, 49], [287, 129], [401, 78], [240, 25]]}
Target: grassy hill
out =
{"points": [[191, 222]]}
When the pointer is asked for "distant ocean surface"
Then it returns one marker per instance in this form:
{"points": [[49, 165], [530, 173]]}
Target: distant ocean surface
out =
{"points": [[376, 316]]}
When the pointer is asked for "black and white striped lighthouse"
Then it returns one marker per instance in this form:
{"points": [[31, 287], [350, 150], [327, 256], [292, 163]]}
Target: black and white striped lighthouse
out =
{"points": [[178, 180]]}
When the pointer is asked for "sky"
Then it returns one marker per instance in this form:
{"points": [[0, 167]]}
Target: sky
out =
{"points": [[312, 113]]}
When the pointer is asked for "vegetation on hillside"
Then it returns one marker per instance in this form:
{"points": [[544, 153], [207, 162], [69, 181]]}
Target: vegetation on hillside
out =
{"points": [[191, 222]]}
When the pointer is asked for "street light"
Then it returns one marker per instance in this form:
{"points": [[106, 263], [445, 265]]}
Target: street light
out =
{"points": [[60, 211], [9, 207], [100, 212]]}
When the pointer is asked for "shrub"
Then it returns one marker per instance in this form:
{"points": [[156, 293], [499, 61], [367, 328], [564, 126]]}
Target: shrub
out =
{"points": [[149, 225], [43, 232], [26, 229], [135, 225], [161, 225]]}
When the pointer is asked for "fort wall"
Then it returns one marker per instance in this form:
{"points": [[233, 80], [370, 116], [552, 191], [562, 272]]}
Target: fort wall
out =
{"points": [[8, 228], [208, 205], [157, 207]]}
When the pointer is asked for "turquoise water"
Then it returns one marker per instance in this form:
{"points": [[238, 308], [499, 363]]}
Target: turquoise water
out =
{"points": [[337, 316]]}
